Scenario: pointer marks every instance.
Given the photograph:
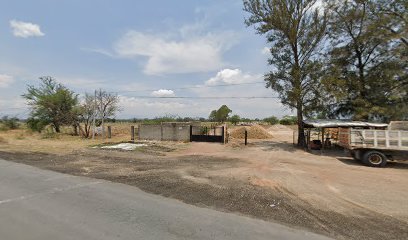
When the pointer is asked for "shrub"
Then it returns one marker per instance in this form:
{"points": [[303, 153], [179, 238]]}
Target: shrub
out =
{"points": [[288, 120], [9, 123], [272, 120], [36, 124]]}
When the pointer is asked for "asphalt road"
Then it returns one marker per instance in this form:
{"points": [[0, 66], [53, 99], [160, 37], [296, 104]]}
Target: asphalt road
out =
{"points": [[40, 204]]}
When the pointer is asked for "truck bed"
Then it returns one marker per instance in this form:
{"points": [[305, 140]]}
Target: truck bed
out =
{"points": [[374, 139]]}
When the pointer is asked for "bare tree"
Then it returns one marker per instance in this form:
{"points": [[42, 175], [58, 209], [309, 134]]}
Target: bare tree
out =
{"points": [[107, 104], [86, 114]]}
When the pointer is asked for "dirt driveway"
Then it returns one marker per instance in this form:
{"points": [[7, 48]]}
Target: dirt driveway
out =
{"points": [[328, 194]]}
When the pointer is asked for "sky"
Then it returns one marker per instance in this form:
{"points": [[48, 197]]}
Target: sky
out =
{"points": [[140, 50]]}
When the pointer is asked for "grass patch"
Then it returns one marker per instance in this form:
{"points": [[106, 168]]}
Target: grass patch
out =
{"points": [[3, 141], [20, 136], [50, 135]]}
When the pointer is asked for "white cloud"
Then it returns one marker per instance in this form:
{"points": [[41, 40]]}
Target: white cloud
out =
{"points": [[265, 51], [137, 107], [189, 52], [163, 93], [232, 76], [83, 82], [25, 29], [5, 80], [100, 51]]}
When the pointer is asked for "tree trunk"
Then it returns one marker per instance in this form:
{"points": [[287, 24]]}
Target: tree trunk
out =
{"points": [[57, 128], [87, 128], [301, 132], [75, 128]]}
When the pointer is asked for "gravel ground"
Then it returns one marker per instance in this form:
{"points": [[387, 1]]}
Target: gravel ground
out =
{"points": [[218, 182]]}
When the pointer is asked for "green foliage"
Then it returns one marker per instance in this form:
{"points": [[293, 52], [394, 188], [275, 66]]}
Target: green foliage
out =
{"points": [[288, 120], [367, 75], [295, 30], [51, 103], [213, 116], [36, 124], [234, 119], [220, 115], [271, 120], [50, 135], [8, 123]]}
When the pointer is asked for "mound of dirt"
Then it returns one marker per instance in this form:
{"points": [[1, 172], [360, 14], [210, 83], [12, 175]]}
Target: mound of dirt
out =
{"points": [[254, 132], [279, 127]]}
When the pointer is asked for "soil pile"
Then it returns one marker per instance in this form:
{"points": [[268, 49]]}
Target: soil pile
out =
{"points": [[279, 127], [254, 132]]}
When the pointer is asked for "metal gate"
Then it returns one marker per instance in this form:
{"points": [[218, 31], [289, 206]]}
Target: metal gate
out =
{"points": [[206, 134]]}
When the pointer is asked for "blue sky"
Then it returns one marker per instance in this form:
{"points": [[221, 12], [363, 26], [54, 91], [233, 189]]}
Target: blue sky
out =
{"points": [[136, 48]]}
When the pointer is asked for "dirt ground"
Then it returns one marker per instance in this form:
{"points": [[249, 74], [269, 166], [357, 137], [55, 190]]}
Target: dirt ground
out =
{"points": [[325, 193]]}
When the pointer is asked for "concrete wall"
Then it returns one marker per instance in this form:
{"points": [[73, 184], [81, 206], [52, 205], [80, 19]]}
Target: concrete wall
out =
{"points": [[175, 132], [165, 132], [149, 132]]}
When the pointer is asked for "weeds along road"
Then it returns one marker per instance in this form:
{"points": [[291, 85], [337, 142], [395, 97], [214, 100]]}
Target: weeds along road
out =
{"points": [[41, 204]]}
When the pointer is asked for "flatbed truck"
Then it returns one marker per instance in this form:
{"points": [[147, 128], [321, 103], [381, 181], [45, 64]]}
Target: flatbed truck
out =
{"points": [[374, 147]]}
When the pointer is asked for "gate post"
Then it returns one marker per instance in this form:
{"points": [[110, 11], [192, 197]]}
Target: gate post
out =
{"points": [[109, 132], [191, 133], [223, 134], [132, 133]]}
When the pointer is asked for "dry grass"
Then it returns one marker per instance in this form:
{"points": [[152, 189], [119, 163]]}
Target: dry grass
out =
{"points": [[24, 140]]}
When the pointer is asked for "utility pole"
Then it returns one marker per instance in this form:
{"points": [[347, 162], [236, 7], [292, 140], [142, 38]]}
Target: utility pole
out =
{"points": [[94, 116]]}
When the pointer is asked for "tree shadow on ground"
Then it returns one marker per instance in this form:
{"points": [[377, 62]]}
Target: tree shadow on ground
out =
{"points": [[330, 152]]}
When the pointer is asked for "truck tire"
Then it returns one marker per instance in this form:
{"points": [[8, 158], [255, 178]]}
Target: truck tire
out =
{"points": [[374, 159]]}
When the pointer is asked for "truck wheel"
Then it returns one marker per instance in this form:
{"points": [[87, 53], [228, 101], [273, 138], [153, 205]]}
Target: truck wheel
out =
{"points": [[374, 159]]}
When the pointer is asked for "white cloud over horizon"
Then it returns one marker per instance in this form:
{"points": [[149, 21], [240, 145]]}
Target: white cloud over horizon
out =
{"points": [[136, 107], [25, 29], [163, 93], [5, 80], [190, 52], [233, 76]]}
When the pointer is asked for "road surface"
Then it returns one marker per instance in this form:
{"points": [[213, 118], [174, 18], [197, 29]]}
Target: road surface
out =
{"points": [[40, 204]]}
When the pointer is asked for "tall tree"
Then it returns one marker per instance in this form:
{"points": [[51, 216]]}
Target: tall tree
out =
{"points": [[223, 113], [220, 115], [366, 73], [51, 103], [213, 116], [392, 15], [295, 29]]}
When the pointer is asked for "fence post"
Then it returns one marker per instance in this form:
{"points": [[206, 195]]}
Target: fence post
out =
{"points": [[246, 137], [223, 134], [109, 132], [191, 133], [132, 133]]}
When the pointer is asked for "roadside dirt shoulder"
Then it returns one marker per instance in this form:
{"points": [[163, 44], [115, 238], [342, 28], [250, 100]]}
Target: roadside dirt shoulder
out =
{"points": [[248, 184]]}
